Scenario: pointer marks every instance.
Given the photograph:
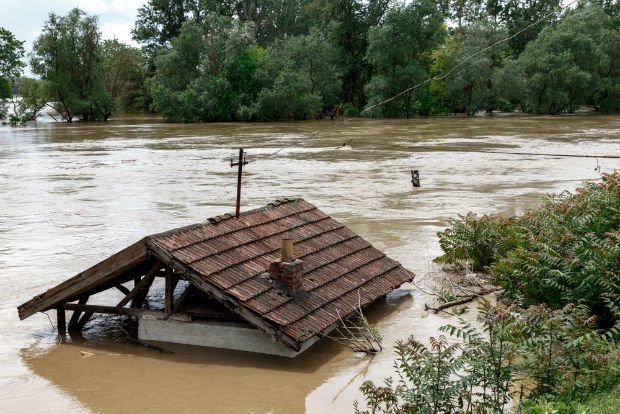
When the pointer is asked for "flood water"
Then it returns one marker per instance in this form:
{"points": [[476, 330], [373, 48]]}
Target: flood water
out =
{"points": [[71, 195]]}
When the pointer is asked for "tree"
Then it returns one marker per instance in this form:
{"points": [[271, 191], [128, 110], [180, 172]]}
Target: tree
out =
{"points": [[68, 55], [124, 76], [207, 74], [34, 96], [6, 92], [533, 14], [11, 55], [11, 64], [469, 88], [348, 22], [399, 52], [573, 63], [299, 79]]}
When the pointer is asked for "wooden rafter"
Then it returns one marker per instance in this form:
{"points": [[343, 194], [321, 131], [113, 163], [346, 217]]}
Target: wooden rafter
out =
{"points": [[145, 284], [102, 309], [75, 318], [101, 273]]}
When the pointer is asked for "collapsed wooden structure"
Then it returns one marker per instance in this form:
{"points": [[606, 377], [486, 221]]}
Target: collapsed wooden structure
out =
{"points": [[224, 263]]}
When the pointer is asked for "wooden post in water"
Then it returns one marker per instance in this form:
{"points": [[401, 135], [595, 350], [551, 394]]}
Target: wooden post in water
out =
{"points": [[61, 321], [415, 178]]}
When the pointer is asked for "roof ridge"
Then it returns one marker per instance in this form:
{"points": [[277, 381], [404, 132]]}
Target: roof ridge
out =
{"points": [[277, 202], [223, 217]]}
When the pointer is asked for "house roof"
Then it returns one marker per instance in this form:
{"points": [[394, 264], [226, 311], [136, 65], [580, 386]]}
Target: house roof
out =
{"points": [[227, 258]]}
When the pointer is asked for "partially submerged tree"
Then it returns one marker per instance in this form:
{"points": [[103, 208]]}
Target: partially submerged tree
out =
{"points": [[69, 57], [124, 76], [11, 65]]}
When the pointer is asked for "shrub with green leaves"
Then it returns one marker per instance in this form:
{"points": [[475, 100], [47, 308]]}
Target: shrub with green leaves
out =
{"points": [[473, 376], [535, 356], [566, 251]]}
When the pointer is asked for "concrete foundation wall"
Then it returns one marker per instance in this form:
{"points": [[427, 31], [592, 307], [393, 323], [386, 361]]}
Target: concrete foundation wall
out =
{"points": [[225, 335]]}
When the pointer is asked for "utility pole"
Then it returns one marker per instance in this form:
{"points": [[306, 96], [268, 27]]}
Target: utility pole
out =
{"points": [[242, 161]]}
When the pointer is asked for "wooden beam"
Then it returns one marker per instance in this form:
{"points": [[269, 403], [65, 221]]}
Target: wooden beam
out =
{"points": [[83, 321], [76, 315], [171, 284], [100, 273], [145, 283], [228, 301], [102, 309], [61, 321], [122, 289], [135, 272]]}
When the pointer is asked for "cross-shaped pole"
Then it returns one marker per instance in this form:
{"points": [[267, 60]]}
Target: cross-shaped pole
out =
{"points": [[242, 161]]}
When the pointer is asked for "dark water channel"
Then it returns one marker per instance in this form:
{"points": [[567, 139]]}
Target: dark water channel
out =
{"points": [[70, 195]]}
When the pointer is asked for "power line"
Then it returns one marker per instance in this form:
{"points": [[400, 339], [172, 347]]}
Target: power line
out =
{"points": [[444, 76], [534, 154]]}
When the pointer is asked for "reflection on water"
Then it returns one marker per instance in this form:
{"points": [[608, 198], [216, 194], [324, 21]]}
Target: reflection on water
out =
{"points": [[73, 194]]}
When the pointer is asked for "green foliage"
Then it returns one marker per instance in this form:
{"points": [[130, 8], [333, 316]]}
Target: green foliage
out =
{"points": [[6, 92], [473, 243], [34, 96], [11, 55], [398, 59], [124, 76], [564, 252], [573, 63], [607, 402], [475, 376], [208, 73], [554, 359], [399, 52], [68, 55], [299, 79], [471, 88]]}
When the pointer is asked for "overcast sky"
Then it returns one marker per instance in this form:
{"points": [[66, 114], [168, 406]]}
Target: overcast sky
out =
{"points": [[25, 18]]}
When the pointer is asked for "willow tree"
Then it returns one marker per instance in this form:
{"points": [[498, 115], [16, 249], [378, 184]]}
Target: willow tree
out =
{"points": [[68, 55]]}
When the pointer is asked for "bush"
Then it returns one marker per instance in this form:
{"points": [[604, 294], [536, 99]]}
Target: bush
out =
{"points": [[564, 252], [532, 353]]}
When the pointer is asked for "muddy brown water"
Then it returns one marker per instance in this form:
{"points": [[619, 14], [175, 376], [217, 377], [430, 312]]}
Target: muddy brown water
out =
{"points": [[70, 195]]}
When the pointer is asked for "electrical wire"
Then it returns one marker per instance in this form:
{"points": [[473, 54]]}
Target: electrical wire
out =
{"points": [[444, 76]]}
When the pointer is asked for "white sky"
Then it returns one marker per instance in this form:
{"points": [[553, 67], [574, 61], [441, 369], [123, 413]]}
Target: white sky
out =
{"points": [[25, 18]]}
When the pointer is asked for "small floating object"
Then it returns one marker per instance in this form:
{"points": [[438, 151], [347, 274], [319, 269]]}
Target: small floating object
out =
{"points": [[415, 178]]}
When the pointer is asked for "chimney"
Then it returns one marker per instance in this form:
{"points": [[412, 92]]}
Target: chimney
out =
{"points": [[287, 273]]}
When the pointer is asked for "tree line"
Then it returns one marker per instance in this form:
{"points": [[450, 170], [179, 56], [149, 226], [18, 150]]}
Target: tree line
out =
{"points": [[240, 60]]}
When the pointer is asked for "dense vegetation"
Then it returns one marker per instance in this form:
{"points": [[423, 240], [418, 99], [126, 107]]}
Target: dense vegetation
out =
{"points": [[204, 60], [550, 344]]}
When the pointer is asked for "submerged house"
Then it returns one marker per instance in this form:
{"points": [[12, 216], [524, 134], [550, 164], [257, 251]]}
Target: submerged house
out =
{"points": [[274, 280]]}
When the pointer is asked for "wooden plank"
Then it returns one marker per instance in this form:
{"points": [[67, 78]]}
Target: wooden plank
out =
{"points": [[61, 321], [76, 315], [100, 273], [145, 283], [224, 299], [102, 309]]}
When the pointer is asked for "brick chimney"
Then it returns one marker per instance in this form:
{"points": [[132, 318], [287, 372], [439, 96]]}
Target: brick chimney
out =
{"points": [[288, 273]]}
